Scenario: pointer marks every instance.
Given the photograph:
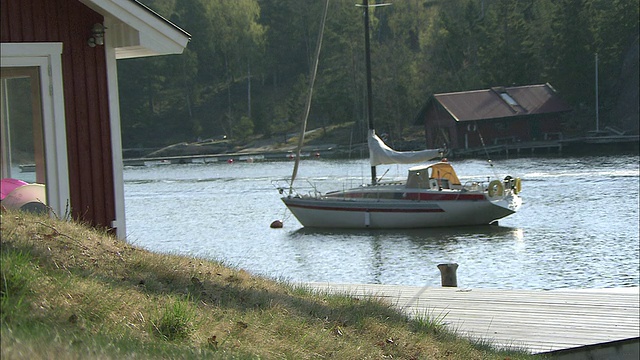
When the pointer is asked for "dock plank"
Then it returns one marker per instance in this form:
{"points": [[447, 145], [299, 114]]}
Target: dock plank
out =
{"points": [[534, 320]]}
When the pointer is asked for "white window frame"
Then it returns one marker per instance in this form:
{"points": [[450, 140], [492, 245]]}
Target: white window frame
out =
{"points": [[48, 58]]}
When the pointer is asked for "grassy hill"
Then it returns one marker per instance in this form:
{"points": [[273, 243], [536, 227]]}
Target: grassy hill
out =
{"points": [[72, 292]]}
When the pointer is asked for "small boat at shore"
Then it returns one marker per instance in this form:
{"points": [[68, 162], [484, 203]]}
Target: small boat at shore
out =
{"points": [[27, 168], [431, 196]]}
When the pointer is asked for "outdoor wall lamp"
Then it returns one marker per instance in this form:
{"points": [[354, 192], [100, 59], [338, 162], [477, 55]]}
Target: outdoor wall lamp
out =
{"points": [[98, 35]]}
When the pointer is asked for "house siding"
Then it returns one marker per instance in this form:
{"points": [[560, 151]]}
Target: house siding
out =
{"points": [[92, 197], [439, 121]]}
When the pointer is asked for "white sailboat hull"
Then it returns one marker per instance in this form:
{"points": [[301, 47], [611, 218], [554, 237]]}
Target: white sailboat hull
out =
{"points": [[455, 209]]}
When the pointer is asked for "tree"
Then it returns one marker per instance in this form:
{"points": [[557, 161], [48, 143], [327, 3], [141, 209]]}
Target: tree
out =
{"points": [[252, 59], [243, 129], [506, 55], [573, 52]]}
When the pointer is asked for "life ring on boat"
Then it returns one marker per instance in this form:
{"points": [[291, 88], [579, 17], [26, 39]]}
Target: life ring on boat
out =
{"points": [[517, 186], [495, 188]]}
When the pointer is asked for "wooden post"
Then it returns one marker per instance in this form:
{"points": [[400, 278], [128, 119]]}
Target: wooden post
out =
{"points": [[448, 274]]}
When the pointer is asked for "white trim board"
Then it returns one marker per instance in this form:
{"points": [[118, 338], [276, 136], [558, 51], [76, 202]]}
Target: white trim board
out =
{"points": [[47, 57], [136, 31]]}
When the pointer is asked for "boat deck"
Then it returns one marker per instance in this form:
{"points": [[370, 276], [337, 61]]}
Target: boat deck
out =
{"points": [[533, 320]]}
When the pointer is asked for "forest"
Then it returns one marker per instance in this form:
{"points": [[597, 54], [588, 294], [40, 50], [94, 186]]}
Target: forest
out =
{"points": [[246, 69]]}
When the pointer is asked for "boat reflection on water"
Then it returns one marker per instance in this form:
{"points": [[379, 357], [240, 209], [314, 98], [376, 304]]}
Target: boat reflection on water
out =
{"points": [[405, 256], [478, 232]]}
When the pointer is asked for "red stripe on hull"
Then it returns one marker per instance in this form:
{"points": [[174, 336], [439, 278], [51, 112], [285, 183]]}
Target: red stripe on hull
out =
{"points": [[327, 208], [444, 196], [414, 196]]}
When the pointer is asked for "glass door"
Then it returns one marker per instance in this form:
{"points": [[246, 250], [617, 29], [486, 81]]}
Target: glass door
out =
{"points": [[22, 140]]}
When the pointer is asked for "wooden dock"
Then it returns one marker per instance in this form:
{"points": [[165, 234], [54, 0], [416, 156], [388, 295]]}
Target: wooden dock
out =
{"points": [[531, 320], [558, 145]]}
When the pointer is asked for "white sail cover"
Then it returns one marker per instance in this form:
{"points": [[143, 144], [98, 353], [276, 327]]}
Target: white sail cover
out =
{"points": [[380, 153]]}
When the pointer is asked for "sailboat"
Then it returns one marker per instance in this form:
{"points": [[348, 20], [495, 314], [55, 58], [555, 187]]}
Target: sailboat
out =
{"points": [[431, 196]]}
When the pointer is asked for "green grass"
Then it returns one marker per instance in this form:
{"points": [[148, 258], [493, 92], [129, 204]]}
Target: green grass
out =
{"points": [[71, 292], [175, 320]]}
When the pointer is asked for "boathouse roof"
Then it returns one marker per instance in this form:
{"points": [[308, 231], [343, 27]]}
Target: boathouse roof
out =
{"points": [[500, 102]]}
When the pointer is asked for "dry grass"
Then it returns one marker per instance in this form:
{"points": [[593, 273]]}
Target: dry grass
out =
{"points": [[69, 291]]}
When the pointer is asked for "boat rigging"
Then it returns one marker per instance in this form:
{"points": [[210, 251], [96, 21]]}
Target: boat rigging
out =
{"points": [[431, 196]]}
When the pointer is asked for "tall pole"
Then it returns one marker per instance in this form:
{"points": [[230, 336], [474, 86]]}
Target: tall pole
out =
{"points": [[307, 108], [367, 50], [597, 111]]}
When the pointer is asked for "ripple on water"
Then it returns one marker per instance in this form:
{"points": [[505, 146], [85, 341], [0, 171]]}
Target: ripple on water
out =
{"points": [[578, 226]]}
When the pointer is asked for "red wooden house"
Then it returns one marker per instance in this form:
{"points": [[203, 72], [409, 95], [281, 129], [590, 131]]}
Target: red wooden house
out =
{"points": [[498, 115], [60, 108]]}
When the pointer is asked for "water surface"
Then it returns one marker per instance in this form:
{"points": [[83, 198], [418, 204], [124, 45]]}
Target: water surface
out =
{"points": [[578, 226]]}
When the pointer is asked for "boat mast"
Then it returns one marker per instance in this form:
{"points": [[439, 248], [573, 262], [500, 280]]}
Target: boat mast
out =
{"points": [[597, 112], [367, 50]]}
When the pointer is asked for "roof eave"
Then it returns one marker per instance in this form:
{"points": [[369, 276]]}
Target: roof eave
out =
{"points": [[133, 30], [454, 116]]}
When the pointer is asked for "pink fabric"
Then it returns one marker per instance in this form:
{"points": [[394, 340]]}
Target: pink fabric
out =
{"points": [[8, 185], [25, 194]]}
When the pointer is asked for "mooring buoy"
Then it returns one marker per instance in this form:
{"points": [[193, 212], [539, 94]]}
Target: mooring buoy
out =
{"points": [[277, 224]]}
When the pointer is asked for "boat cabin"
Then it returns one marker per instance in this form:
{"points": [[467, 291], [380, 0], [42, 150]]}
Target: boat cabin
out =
{"points": [[435, 176]]}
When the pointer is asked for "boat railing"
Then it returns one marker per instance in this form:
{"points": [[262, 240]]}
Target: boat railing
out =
{"points": [[494, 188], [387, 183], [284, 188], [474, 186]]}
